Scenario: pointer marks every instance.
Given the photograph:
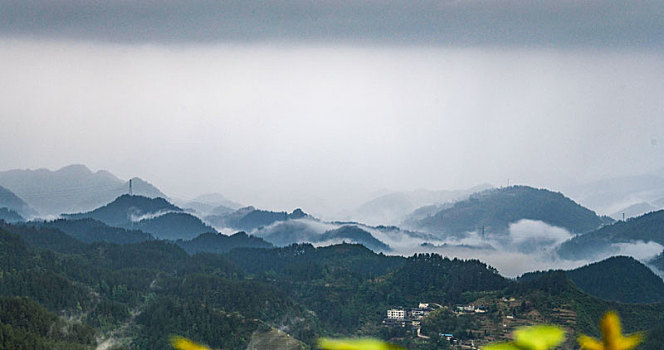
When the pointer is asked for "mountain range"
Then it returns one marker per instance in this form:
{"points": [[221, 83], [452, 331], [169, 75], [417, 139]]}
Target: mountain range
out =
{"points": [[228, 300], [70, 189], [250, 218], [209, 204], [495, 209], [89, 230], [212, 242], [11, 202], [607, 239], [151, 215], [631, 195], [392, 208]]}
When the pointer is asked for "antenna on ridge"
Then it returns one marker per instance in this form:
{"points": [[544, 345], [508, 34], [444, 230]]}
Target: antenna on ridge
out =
{"points": [[130, 189]]}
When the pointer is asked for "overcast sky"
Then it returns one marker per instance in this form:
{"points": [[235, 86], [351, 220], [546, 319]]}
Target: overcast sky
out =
{"points": [[283, 104]]}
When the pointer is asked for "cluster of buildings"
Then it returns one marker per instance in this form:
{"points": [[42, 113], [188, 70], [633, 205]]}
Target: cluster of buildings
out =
{"points": [[469, 309], [407, 318]]}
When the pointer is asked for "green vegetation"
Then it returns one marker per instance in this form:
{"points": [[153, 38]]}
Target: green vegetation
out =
{"points": [[155, 216], [495, 209], [638, 284], [142, 293], [119, 212], [10, 216], [212, 242], [355, 234], [648, 227], [658, 261], [26, 325], [12, 207], [90, 230], [250, 218]]}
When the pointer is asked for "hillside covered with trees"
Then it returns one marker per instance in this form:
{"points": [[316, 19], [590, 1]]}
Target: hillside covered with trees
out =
{"points": [[495, 209], [138, 294], [648, 227]]}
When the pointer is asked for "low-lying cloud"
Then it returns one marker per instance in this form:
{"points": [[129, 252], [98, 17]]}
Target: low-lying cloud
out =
{"points": [[140, 217], [530, 235], [528, 245], [640, 250]]}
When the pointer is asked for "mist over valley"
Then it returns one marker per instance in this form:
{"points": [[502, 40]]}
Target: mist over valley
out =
{"points": [[300, 175]]}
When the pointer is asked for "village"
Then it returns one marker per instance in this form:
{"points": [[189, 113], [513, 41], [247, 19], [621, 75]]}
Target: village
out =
{"points": [[412, 319], [493, 319]]}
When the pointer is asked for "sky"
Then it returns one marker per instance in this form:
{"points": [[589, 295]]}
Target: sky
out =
{"points": [[324, 104]]}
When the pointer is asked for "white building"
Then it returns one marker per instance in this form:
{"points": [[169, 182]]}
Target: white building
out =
{"points": [[396, 314]]}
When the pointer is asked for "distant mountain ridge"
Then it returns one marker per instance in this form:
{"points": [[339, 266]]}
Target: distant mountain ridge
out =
{"points": [[12, 202], [151, 215], [126, 209], [495, 209], [250, 218], [209, 205], [632, 195], [71, 189], [217, 243], [217, 199], [354, 234], [392, 208], [285, 233], [645, 228], [91, 230], [10, 216]]}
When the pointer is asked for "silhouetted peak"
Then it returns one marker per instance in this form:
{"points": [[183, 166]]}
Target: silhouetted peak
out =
{"points": [[298, 214], [75, 169]]}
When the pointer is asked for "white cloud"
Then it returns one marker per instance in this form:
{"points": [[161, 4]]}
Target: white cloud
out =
{"points": [[640, 250], [525, 231]]}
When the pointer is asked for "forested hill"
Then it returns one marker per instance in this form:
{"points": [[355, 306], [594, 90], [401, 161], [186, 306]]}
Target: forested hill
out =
{"points": [[648, 227], [306, 258], [495, 209], [126, 209], [250, 218], [546, 292], [10, 216], [91, 230], [658, 261], [432, 277], [202, 296], [141, 293], [619, 278], [155, 216], [213, 242]]}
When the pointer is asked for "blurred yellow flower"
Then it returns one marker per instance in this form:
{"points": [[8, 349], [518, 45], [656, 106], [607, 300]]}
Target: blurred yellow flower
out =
{"points": [[181, 343], [532, 338], [612, 338], [354, 344]]}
